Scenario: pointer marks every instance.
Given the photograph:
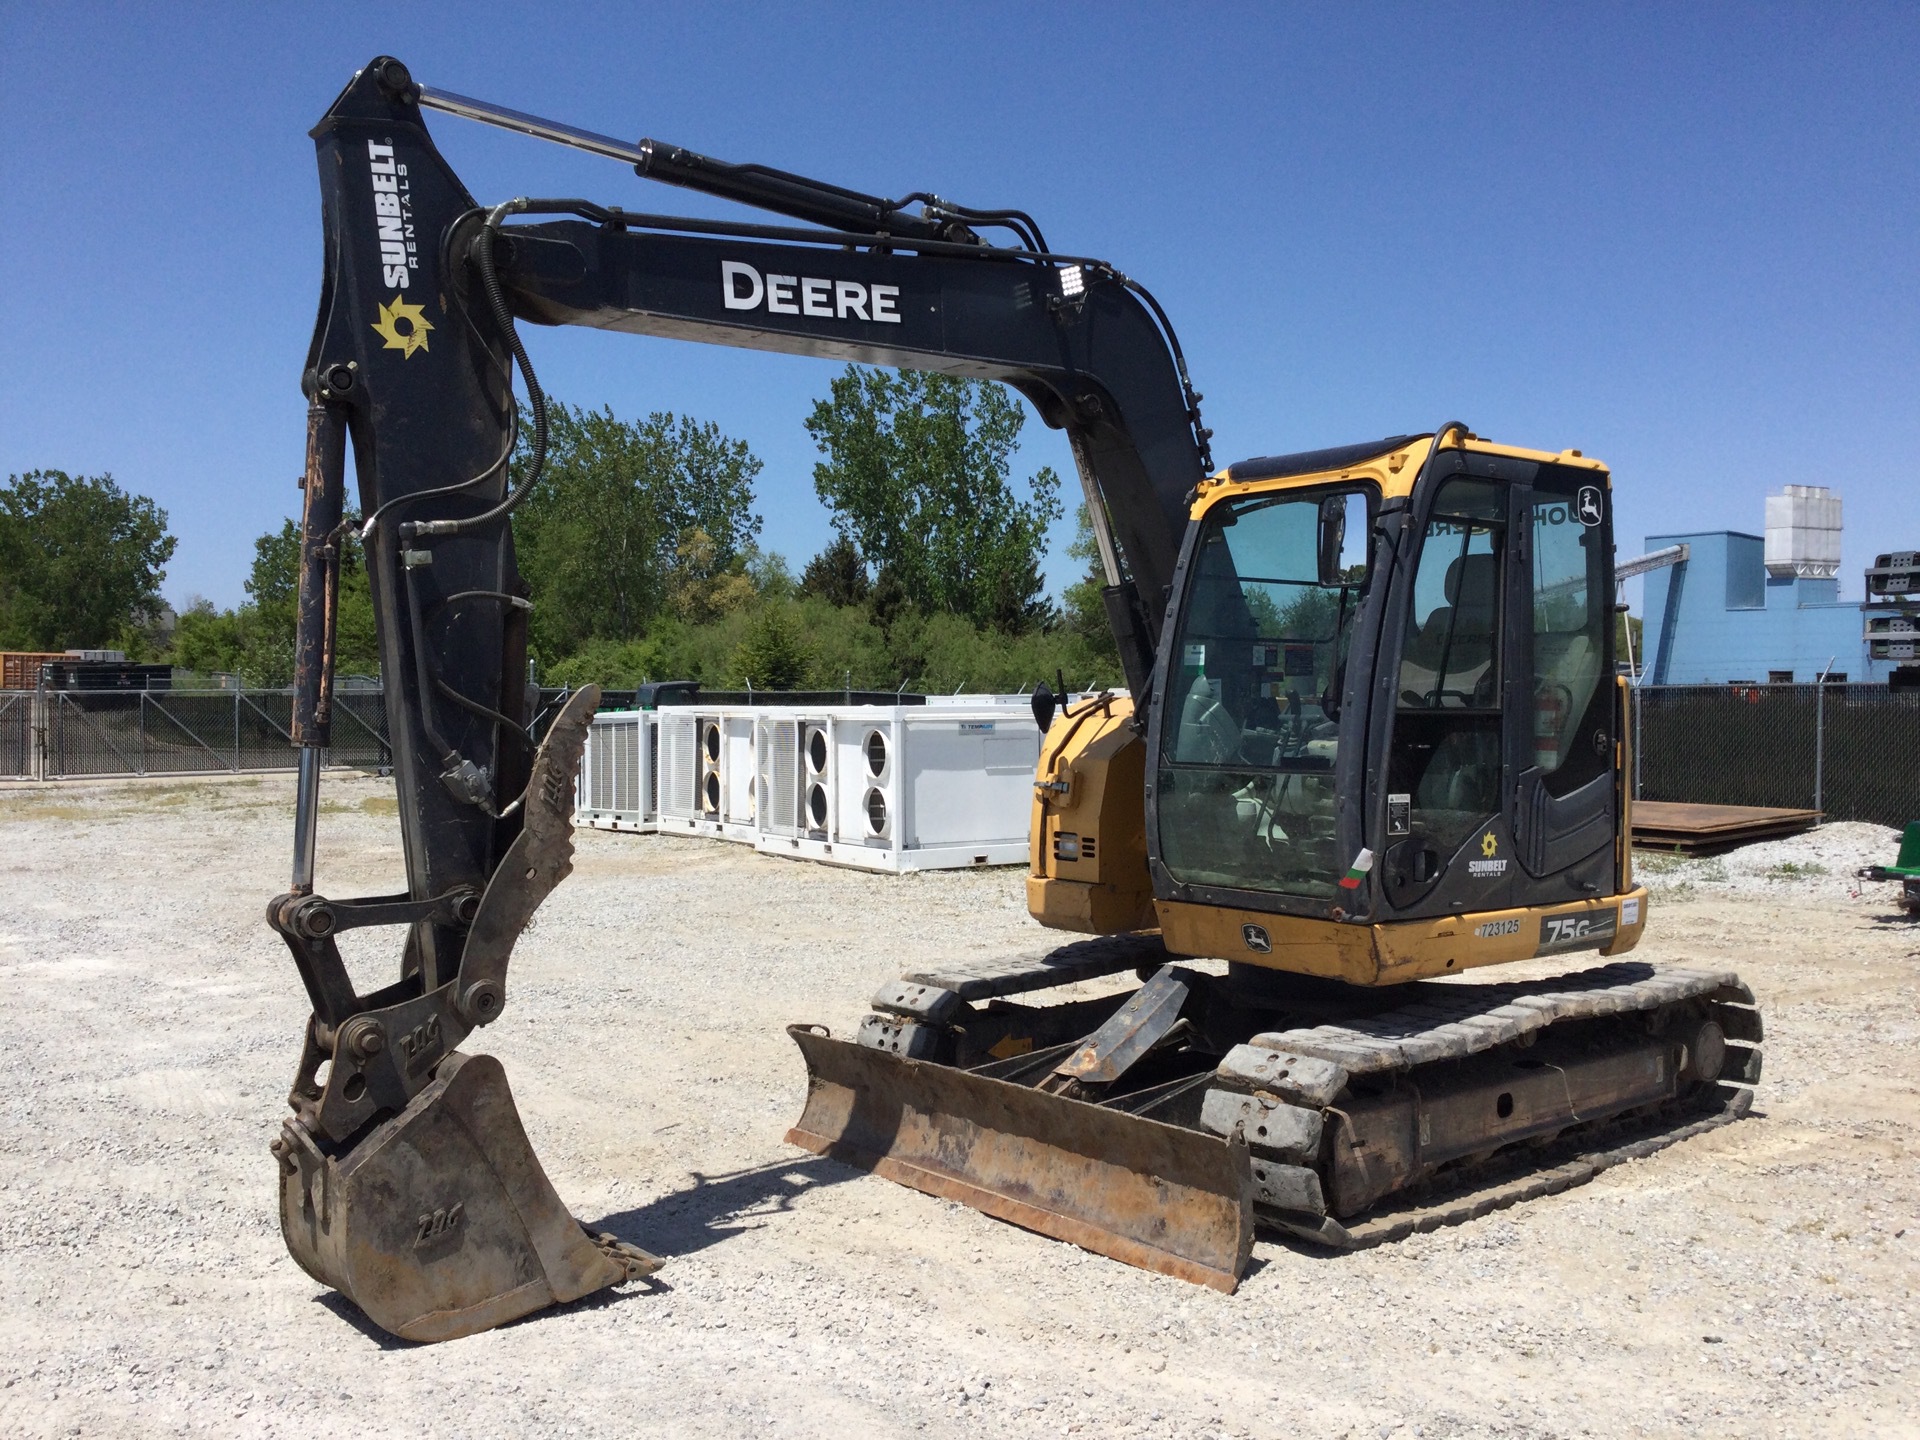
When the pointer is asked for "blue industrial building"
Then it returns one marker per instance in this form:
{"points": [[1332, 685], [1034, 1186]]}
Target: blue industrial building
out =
{"points": [[1719, 615]]}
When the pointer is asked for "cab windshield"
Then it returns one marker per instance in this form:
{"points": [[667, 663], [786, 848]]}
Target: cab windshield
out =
{"points": [[1250, 727]]}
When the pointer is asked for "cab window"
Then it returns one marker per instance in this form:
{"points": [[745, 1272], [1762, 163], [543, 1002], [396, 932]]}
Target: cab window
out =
{"points": [[1251, 726], [1572, 611], [1446, 756]]}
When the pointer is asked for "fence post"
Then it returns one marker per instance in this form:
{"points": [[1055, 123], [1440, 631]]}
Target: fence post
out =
{"points": [[236, 729], [1638, 706], [143, 732], [1819, 741], [1820, 736], [37, 718]]}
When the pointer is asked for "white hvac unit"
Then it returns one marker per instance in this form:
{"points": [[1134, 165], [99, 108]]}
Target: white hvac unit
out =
{"points": [[939, 785], [778, 774], [615, 790], [686, 801], [866, 797], [739, 781], [707, 784], [901, 787]]}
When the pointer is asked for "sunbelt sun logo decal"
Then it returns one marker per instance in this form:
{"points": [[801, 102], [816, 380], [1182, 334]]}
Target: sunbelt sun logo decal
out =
{"points": [[403, 327]]}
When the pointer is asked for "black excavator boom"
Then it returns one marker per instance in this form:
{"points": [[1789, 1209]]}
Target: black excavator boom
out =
{"points": [[406, 1178]]}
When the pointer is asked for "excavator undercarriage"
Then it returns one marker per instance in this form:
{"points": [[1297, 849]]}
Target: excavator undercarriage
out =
{"points": [[1203, 1105]]}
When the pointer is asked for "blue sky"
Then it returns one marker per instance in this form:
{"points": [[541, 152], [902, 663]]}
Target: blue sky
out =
{"points": [[1678, 237]]}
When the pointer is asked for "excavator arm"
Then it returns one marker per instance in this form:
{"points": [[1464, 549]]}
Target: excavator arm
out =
{"points": [[406, 1179]]}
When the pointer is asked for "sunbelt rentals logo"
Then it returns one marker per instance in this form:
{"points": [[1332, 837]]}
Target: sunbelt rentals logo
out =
{"points": [[402, 326], [1491, 863], [393, 214]]}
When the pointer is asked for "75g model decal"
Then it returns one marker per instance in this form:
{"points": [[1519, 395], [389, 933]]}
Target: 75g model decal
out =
{"points": [[1583, 930]]}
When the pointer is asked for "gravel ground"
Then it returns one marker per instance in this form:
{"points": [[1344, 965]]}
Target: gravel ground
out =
{"points": [[1756, 1281]]}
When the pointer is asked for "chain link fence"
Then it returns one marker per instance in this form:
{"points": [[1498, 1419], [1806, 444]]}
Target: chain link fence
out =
{"points": [[16, 734], [1852, 751], [73, 734], [80, 734]]}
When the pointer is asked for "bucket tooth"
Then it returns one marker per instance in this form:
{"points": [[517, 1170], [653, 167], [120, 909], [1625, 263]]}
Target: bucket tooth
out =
{"points": [[440, 1222], [1167, 1199]]}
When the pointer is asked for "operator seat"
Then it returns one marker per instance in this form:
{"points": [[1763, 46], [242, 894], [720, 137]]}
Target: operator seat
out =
{"points": [[1208, 733], [1459, 636]]}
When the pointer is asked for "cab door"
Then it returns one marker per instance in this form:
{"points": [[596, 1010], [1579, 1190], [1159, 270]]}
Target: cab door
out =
{"points": [[1565, 807], [1499, 778], [1450, 685]]}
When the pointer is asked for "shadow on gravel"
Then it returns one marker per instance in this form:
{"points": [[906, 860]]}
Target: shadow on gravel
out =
{"points": [[712, 1209], [718, 1207], [356, 1317], [346, 1310]]}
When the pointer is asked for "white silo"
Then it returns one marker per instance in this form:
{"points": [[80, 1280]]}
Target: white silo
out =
{"points": [[1803, 533]]}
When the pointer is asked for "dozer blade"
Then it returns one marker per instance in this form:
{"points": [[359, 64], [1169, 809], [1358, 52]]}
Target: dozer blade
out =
{"points": [[1163, 1198], [441, 1223]]}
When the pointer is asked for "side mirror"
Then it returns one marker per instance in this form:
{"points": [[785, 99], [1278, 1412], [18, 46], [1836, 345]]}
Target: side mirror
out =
{"points": [[1333, 537], [1344, 536], [1043, 707]]}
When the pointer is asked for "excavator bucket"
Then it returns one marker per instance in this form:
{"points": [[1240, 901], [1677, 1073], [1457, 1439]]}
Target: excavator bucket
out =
{"points": [[1167, 1199], [441, 1223]]}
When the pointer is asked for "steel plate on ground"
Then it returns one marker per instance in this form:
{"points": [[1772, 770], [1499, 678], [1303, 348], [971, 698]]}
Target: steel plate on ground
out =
{"points": [[1175, 1201]]}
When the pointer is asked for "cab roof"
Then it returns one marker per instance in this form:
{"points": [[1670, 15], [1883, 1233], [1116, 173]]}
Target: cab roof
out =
{"points": [[1311, 462]]}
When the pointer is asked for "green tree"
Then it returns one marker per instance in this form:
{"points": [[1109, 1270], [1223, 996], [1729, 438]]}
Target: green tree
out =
{"points": [[81, 561], [771, 577], [775, 654], [629, 517], [916, 476], [701, 586], [1084, 611], [255, 641], [209, 641], [837, 575]]}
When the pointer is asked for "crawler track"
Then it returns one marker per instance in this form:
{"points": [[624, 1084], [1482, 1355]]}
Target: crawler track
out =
{"points": [[1667, 1053], [1510, 1180], [1356, 1125]]}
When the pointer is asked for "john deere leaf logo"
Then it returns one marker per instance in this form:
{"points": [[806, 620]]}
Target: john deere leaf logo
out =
{"points": [[404, 327], [1489, 845]]}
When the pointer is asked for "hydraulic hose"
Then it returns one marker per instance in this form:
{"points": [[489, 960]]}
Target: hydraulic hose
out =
{"points": [[482, 253]]}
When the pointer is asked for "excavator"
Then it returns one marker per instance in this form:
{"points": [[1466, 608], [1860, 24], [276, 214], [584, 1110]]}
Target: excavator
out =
{"points": [[1370, 740]]}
